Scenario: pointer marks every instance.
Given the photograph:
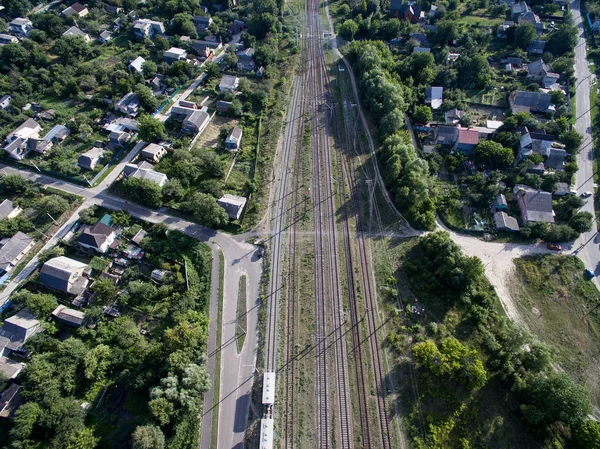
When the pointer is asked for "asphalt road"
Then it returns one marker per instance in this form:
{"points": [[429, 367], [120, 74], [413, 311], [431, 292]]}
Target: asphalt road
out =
{"points": [[586, 246]]}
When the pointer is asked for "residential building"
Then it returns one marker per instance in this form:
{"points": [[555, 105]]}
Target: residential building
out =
{"points": [[105, 36], [16, 330], [556, 158], [74, 31], [21, 27], [453, 116], [121, 124], [446, 135], [5, 102], [260, 72], [562, 189], [412, 13], [535, 205], [69, 317], [145, 28], [64, 274], [421, 38], [97, 238], [7, 39], [504, 222], [76, 9], [10, 399], [237, 27], [202, 22], [129, 104], [536, 47], [174, 54], [196, 122], [12, 250], [229, 83], [541, 72], [152, 175], [180, 112], [205, 48], [17, 147], [467, 140], [40, 146], [223, 106], [89, 160], [29, 128], [522, 101], [154, 152], [9, 210], [433, 96], [136, 64], [139, 236], [233, 205], [246, 59], [499, 203], [57, 134], [234, 139], [544, 145]]}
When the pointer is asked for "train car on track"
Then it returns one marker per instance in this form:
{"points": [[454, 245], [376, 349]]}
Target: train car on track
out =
{"points": [[268, 397], [266, 433]]}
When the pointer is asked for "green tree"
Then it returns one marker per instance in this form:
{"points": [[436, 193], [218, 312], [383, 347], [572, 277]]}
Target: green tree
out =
{"points": [[422, 114], [162, 410], [524, 34], [97, 362], [586, 435], [40, 304], [261, 24], [16, 8], [348, 29], [182, 25], [205, 209], [563, 39], [147, 99], [25, 420], [149, 68], [493, 155], [572, 140], [147, 437], [13, 53], [147, 192], [105, 289], [13, 183], [581, 222], [555, 397], [151, 129], [83, 439], [70, 49], [52, 204]]}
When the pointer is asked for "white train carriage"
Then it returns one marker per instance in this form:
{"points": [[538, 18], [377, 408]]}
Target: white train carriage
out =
{"points": [[268, 396], [266, 433]]}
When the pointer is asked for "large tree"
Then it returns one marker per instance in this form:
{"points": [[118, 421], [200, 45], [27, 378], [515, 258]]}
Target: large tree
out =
{"points": [[147, 99], [151, 129], [524, 34], [493, 155], [147, 437], [205, 209]]}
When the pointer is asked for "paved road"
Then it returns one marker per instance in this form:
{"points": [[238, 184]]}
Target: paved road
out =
{"points": [[589, 241]]}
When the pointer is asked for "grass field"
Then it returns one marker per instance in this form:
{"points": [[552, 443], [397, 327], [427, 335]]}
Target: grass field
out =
{"points": [[556, 303]]}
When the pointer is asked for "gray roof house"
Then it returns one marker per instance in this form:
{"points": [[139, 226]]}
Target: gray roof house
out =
{"points": [[74, 31], [223, 106], [21, 27], [129, 104], [97, 238], [536, 47], [105, 36], [205, 48], [154, 152], [16, 330], [64, 274], [504, 222], [453, 116], [9, 210], [196, 122], [57, 134], [145, 170], [7, 39], [246, 59], [16, 146], [143, 28], [433, 96], [76, 9], [233, 205], [202, 22], [535, 205], [136, 64], [499, 203], [522, 101], [229, 83], [174, 54], [234, 139], [446, 135], [69, 317], [90, 158], [13, 249]]}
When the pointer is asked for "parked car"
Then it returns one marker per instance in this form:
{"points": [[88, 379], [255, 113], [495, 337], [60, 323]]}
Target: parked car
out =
{"points": [[572, 192], [586, 194], [588, 274], [260, 252], [554, 247]]}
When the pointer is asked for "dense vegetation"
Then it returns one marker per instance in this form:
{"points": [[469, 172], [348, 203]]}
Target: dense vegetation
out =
{"points": [[482, 382]]}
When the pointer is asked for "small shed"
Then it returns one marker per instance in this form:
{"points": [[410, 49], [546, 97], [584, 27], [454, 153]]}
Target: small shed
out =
{"points": [[69, 317], [233, 205]]}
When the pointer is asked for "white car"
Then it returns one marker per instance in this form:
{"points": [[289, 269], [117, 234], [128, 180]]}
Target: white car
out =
{"points": [[586, 194]]}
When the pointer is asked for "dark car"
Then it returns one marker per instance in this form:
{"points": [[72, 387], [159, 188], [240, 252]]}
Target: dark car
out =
{"points": [[554, 247], [589, 274]]}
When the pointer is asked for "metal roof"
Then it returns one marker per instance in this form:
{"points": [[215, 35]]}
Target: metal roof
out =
{"points": [[12, 249], [268, 396], [266, 433]]}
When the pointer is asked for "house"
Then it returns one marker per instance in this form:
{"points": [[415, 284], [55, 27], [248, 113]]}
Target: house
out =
{"points": [[433, 96], [10, 399], [121, 124], [17, 146], [180, 112], [504, 222], [21, 27], [74, 31], [196, 122], [229, 83], [9, 210], [97, 238], [29, 128], [149, 174], [432, 11], [246, 59], [412, 13], [522, 101], [513, 61], [57, 134], [129, 104], [534, 142], [89, 160], [499, 203], [139, 236], [174, 54], [539, 71], [536, 47], [537, 169], [16, 330], [260, 72], [237, 27], [76, 9], [136, 64], [446, 135], [467, 140], [154, 152], [40, 146], [202, 23], [562, 188], [233, 205], [535, 205], [69, 317], [12, 250], [223, 106], [64, 274], [5, 102], [112, 9], [453, 116], [105, 36], [530, 17], [205, 48], [421, 38], [234, 139], [7, 39], [519, 8], [556, 158], [145, 28]]}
